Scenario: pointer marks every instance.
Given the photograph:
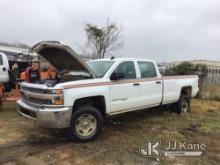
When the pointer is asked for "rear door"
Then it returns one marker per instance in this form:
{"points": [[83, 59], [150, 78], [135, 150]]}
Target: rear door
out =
{"points": [[125, 94], [151, 84], [3, 68]]}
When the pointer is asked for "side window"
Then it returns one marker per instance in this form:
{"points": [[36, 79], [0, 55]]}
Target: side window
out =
{"points": [[1, 60], [147, 69], [127, 68]]}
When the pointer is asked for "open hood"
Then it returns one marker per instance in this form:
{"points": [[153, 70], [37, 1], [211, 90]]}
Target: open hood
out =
{"points": [[62, 57]]}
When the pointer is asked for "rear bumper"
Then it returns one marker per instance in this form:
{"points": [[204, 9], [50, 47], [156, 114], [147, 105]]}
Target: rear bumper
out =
{"points": [[46, 117]]}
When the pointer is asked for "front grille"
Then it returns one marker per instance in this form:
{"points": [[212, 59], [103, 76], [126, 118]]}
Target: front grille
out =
{"points": [[36, 90], [28, 95], [35, 100]]}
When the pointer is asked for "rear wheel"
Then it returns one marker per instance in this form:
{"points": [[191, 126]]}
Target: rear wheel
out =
{"points": [[183, 105], [86, 124]]}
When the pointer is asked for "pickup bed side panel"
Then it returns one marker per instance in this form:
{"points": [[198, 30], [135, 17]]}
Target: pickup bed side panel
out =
{"points": [[72, 94], [174, 84], [171, 91]]}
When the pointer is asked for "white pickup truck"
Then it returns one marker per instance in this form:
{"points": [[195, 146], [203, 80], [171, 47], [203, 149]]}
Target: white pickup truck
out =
{"points": [[84, 93], [6, 76], [4, 67]]}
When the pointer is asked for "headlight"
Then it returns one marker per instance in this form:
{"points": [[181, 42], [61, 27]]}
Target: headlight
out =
{"points": [[57, 99]]}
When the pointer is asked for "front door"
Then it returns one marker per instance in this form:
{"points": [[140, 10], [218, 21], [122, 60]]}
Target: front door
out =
{"points": [[125, 94]]}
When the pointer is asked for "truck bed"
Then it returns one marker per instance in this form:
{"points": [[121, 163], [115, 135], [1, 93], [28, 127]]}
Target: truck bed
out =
{"points": [[172, 86]]}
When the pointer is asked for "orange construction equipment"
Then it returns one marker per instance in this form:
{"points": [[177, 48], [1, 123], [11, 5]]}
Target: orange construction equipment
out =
{"points": [[44, 74], [50, 73], [29, 75]]}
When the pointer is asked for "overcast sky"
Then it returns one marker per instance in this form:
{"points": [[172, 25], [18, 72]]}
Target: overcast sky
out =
{"points": [[164, 30]]}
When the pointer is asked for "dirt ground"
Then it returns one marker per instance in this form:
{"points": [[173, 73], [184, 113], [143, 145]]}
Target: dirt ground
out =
{"points": [[22, 142]]}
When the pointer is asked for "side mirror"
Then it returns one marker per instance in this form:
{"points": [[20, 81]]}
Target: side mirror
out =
{"points": [[117, 76]]}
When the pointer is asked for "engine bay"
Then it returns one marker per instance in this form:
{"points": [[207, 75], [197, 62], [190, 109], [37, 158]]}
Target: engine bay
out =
{"points": [[50, 77]]}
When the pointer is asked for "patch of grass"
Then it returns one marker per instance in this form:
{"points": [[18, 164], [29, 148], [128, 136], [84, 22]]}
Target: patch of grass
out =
{"points": [[9, 109], [121, 138], [211, 125]]}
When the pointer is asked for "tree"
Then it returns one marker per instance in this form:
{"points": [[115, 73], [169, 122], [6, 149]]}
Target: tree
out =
{"points": [[184, 68], [104, 40], [201, 67]]}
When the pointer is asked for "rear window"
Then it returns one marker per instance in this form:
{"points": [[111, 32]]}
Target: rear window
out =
{"points": [[147, 69]]}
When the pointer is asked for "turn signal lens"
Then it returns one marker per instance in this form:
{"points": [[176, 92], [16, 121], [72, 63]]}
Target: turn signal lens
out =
{"points": [[58, 102]]}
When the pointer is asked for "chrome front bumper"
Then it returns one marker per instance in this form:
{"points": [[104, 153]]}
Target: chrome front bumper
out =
{"points": [[46, 117]]}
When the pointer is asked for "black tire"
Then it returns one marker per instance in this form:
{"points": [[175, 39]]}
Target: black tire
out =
{"points": [[73, 131], [183, 105]]}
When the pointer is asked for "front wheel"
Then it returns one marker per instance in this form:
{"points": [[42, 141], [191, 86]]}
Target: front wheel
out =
{"points": [[86, 124], [183, 105]]}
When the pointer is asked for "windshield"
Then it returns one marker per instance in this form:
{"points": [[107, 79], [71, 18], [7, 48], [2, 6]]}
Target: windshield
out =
{"points": [[100, 67]]}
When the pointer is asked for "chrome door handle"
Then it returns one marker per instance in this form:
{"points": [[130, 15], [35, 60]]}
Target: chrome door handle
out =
{"points": [[136, 84], [158, 82]]}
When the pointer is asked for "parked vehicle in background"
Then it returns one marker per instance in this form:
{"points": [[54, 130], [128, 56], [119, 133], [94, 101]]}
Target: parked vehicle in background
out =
{"points": [[4, 67], [83, 94], [6, 76]]}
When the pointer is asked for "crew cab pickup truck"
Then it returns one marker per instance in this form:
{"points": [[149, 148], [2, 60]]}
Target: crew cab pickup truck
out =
{"points": [[84, 93]]}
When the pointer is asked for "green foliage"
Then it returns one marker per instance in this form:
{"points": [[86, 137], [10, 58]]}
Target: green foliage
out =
{"points": [[187, 68], [94, 31], [184, 68], [201, 67]]}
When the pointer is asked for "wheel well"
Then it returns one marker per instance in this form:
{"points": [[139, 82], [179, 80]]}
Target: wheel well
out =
{"points": [[96, 101], [186, 91]]}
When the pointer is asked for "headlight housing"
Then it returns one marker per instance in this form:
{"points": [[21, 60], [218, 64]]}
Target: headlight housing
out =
{"points": [[57, 91], [57, 98]]}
